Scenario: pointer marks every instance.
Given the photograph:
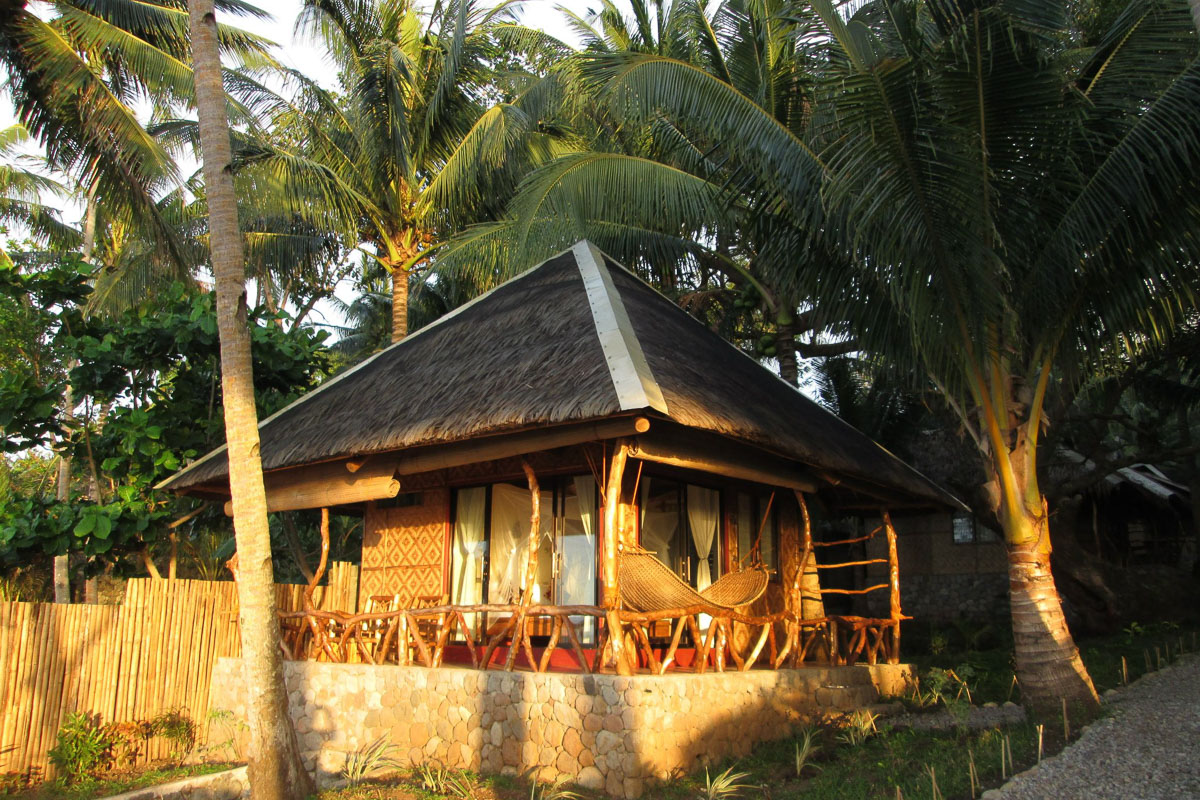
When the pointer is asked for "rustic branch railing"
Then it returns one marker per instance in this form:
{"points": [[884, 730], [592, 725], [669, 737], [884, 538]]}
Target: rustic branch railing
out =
{"points": [[421, 636]]}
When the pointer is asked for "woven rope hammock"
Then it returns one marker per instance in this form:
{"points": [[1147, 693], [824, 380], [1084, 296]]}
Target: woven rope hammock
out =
{"points": [[647, 585]]}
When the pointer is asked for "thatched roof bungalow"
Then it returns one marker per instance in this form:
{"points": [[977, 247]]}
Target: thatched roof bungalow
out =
{"points": [[574, 377]]}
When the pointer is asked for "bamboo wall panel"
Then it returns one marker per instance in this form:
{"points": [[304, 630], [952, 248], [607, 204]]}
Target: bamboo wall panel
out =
{"points": [[404, 549], [127, 663]]}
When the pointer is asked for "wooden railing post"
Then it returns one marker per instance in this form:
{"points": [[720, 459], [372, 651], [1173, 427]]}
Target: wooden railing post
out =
{"points": [[894, 583]]}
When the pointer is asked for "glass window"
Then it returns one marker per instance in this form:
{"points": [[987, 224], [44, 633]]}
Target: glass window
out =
{"points": [[750, 512], [508, 550], [490, 545], [704, 525], [660, 507], [577, 550], [964, 528]]}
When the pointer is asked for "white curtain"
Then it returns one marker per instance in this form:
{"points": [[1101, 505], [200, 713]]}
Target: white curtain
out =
{"points": [[577, 579], [703, 510], [510, 526], [466, 569], [466, 563]]}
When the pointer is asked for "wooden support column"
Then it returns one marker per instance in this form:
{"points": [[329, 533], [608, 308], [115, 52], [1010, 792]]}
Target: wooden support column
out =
{"points": [[809, 603], [531, 561], [320, 571], [894, 583], [535, 526], [610, 591]]}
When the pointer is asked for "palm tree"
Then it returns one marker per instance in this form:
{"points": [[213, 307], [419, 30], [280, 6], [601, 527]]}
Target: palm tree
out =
{"points": [[73, 76], [414, 84], [718, 244], [24, 190], [1005, 238], [1001, 211], [275, 769]]}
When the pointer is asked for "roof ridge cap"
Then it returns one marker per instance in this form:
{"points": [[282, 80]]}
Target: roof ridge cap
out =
{"points": [[632, 378]]}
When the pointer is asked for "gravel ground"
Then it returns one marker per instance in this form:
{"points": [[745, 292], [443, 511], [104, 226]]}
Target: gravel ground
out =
{"points": [[1148, 748]]}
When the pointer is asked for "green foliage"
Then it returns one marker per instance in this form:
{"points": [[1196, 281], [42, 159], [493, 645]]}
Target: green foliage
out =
{"points": [[22, 586], [230, 726], [368, 759], [433, 777], [461, 784], [858, 727], [177, 727], [944, 685], [39, 310], [556, 791], [83, 748], [156, 369], [552, 791], [807, 749], [160, 366], [724, 786]]}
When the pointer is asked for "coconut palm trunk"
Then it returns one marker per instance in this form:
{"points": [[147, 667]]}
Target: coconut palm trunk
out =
{"points": [[399, 302], [1048, 664], [275, 769]]}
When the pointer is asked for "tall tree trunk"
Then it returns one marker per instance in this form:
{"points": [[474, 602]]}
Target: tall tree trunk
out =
{"points": [[785, 349], [1049, 667], [399, 303], [62, 564], [274, 766]]}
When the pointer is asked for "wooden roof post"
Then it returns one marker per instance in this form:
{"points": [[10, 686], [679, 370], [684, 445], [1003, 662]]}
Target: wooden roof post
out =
{"points": [[608, 578], [320, 571], [894, 583], [529, 579], [807, 590]]}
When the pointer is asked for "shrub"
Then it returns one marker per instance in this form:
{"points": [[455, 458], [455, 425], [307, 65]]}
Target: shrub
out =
{"points": [[178, 728], [368, 759], [125, 741], [84, 746]]}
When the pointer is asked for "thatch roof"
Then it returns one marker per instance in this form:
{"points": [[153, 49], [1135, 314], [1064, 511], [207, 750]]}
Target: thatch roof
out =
{"points": [[576, 339]]}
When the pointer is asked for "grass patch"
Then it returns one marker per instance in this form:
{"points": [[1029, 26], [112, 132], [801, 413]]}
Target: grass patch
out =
{"points": [[90, 788], [990, 672], [1140, 645], [455, 784], [837, 770], [881, 764]]}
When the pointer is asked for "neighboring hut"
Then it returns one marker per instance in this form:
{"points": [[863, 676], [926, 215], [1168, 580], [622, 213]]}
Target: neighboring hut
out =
{"points": [[1136, 515], [571, 474], [955, 569]]}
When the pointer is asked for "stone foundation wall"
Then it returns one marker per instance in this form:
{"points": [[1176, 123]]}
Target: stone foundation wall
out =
{"points": [[603, 731]]}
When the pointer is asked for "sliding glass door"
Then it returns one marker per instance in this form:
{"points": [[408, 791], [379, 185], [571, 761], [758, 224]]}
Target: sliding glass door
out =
{"points": [[490, 546], [681, 524]]}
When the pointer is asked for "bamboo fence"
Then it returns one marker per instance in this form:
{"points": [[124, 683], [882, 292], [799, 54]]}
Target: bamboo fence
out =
{"points": [[126, 663]]}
